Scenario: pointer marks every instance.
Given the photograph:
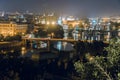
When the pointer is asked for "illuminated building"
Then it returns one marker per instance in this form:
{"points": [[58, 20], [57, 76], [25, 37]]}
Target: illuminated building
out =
{"points": [[105, 20], [70, 21], [60, 21], [11, 29], [115, 19], [49, 19], [2, 14], [99, 23]]}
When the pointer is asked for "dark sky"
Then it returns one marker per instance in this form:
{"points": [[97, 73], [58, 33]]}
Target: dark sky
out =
{"points": [[91, 7]]}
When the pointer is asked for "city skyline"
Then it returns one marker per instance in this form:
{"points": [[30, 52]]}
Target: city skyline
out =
{"points": [[71, 7]]}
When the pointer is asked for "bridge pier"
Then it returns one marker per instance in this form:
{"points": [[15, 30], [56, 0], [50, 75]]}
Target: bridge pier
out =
{"points": [[31, 44], [38, 44], [24, 41], [48, 45], [37, 40]]}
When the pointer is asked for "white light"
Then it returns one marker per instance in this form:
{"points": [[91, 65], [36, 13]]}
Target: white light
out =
{"points": [[94, 21], [109, 23], [63, 19], [59, 46], [83, 23]]}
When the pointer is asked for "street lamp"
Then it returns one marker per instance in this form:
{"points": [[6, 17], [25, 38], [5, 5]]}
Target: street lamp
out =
{"points": [[23, 33], [52, 34], [53, 23], [79, 36], [83, 23], [48, 23]]}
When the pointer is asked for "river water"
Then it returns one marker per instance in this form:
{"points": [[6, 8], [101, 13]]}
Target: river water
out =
{"points": [[35, 64]]}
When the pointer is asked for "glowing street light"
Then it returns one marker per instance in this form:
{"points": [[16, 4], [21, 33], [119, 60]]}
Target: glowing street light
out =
{"points": [[48, 23], [53, 23], [52, 34], [109, 23], [83, 23], [90, 23], [23, 33]]}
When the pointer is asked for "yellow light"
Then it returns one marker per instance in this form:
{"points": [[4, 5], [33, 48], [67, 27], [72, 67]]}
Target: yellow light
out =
{"points": [[35, 57], [53, 23], [83, 23], [23, 48], [12, 51], [91, 58], [52, 34], [23, 51], [48, 23], [23, 33], [77, 23]]}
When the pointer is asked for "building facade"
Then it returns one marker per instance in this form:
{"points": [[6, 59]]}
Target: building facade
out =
{"points": [[11, 28]]}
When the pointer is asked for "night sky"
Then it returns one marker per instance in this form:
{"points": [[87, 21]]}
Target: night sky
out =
{"points": [[92, 7]]}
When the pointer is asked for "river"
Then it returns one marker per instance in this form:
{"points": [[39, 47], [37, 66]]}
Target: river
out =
{"points": [[32, 63]]}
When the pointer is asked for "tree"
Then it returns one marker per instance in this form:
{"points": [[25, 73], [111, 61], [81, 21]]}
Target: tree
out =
{"points": [[115, 25], [1, 37], [81, 25], [17, 38], [57, 30], [40, 33], [101, 67], [86, 20], [81, 48], [8, 38]]}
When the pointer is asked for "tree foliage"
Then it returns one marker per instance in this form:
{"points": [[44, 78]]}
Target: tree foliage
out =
{"points": [[57, 30], [40, 33], [101, 67], [115, 24], [13, 38], [1, 37]]}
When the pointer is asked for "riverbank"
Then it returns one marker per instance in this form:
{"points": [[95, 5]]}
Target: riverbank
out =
{"points": [[10, 44], [4, 43]]}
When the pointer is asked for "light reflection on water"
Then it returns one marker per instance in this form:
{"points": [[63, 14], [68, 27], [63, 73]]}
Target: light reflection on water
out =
{"points": [[63, 46], [59, 46], [35, 57], [23, 51], [60, 59], [35, 54]]}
